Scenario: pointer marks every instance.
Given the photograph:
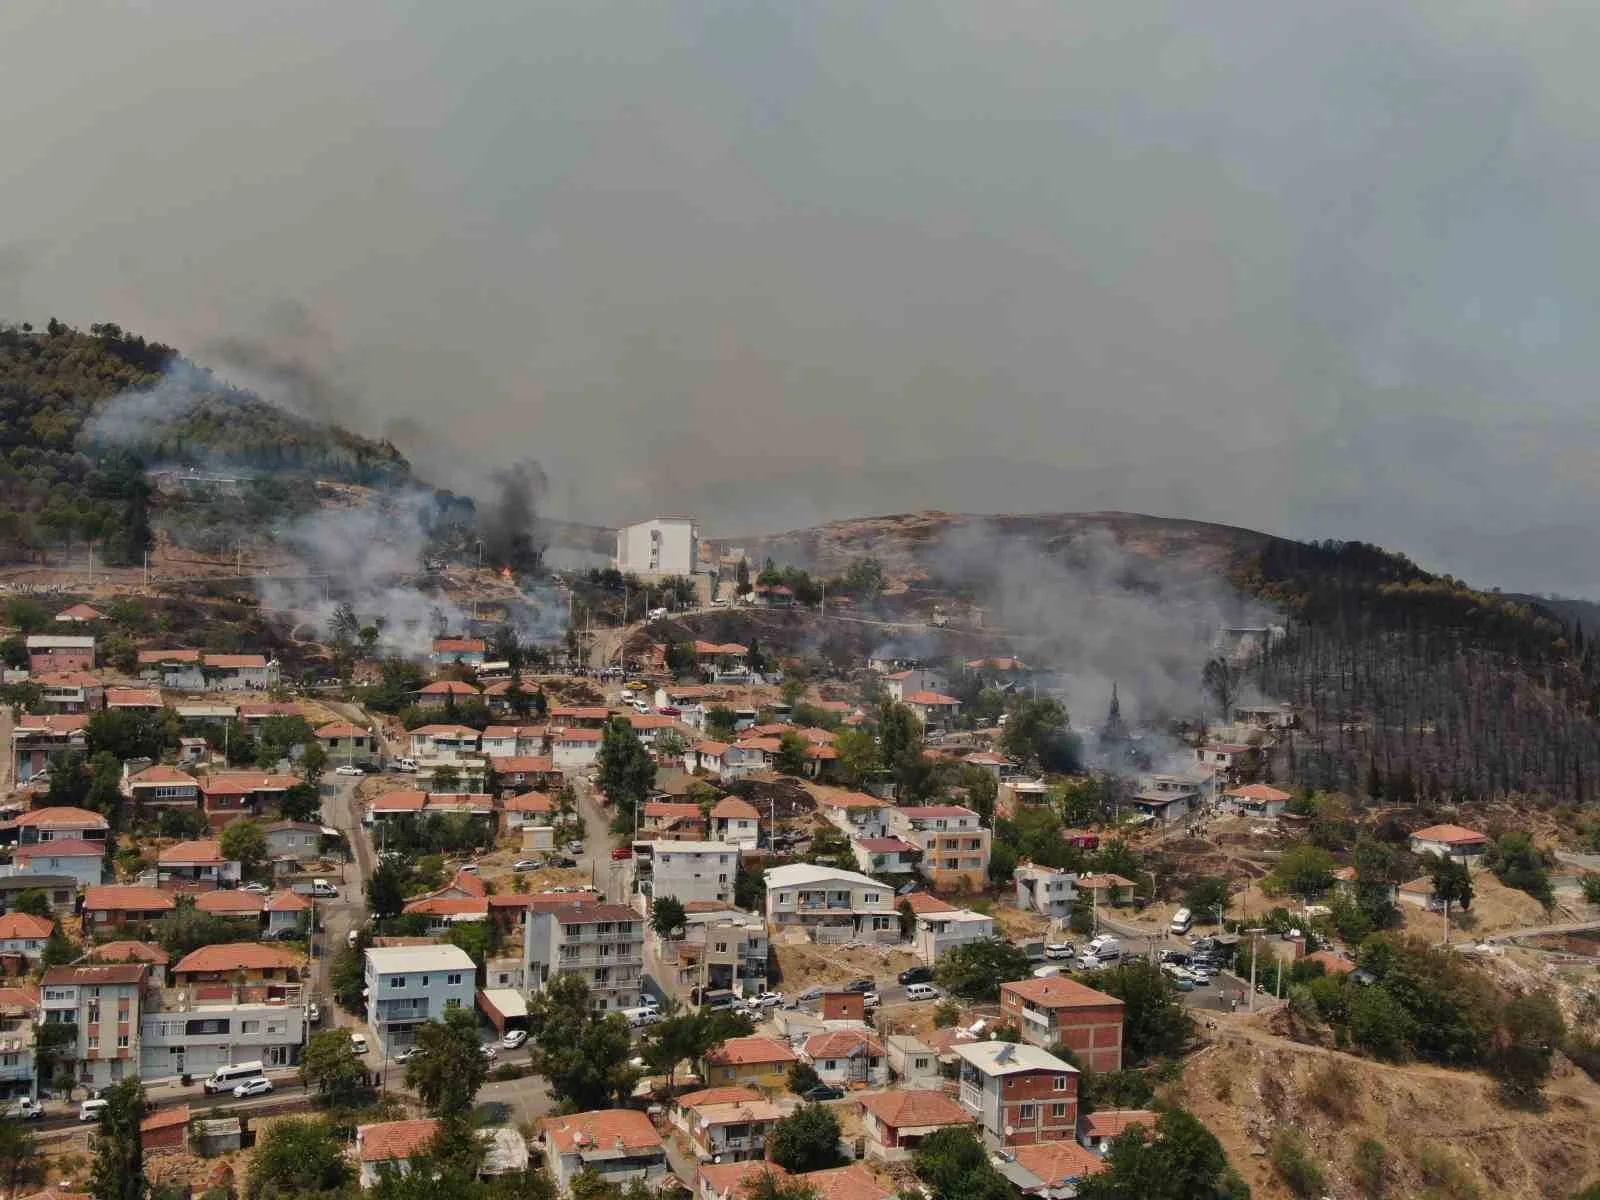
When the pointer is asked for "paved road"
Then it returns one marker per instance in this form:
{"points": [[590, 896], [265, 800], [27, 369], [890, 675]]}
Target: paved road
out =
{"points": [[349, 910]]}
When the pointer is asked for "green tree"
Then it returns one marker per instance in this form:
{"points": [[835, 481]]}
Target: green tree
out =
{"points": [[331, 1066], [667, 917], [719, 723], [1179, 1160], [627, 771], [1304, 870], [1531, 1029], [983, 791], [347, 977], [59, 949], [802, 1078], [1452, 882], [297, 1156], [302, 802], [32, 901], [858, 756], [1154, 1022], [791, 759], [479, 939], [313, 761], [449, 1068], [806, 1140], [954, 1165], [742, 578], [976, 970], [585, 1057], [386, 894], [908, 920], [1371, 1168], [118, 1172], [1379, 1024], [1517, 863], [1207, 898], [1038, 734], [20, 1160], [243, 842]]}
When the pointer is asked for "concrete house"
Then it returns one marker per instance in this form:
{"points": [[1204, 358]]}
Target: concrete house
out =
{"points": [[1048, 1011], [408, 985], [1450, 841], [35, 739], [161, 786], [293, 841], [1045, 890], [24, 935], [71, 691], [573, 749], [602, 943], [938, 933], [111, 906], [53, 652], [848, 1058], [390, 1146], [659, 547], [748, 1061], [953, 841], [896, 1122], [469, 650], [82, 860], [59, 823], [102, 1001], [688, 871], [856, 814], [736, 822], [728, 1128], [617, 1144], [832, 905], [1019, 1093], [348, 744], [886, 856], [200, 863], [1257, 800]]}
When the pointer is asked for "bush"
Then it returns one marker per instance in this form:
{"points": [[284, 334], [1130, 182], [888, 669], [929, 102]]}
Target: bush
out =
{"points": [[946, 1014], [1332, 1090], [1445, 1177], [1299, 1174], [1370, 1167]]}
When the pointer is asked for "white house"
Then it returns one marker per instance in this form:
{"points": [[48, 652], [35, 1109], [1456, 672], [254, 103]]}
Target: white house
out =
{"points": [[659, 547], [619, 1145], [885, 856], [833, 905], [900, 684], [391, 1145], [84, 861], [573, 749], [845, 1057], [953, 841], [687, 871], [602, 943], [939, 933], [407, 985], [1450, 841], [856, 814], [736, 822], [1045, 890], [24, 934]]}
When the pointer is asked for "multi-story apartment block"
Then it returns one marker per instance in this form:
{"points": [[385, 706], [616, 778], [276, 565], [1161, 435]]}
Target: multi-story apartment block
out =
{"points": [[407, 985], [195, 1030], [953, 841], [834, 905], [725, 948], [688, 871], [1048, 1011], [19, 1012], [856, 814], [1020, 1094], [103, 1002], [601, 943], [1045, 890]]}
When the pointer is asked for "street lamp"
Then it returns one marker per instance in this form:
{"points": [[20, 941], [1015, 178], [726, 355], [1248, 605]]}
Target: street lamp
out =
{"points": [[1254, 954]]}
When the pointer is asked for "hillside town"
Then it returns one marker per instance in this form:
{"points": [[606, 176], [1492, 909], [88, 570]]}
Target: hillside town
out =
{"points": [[661, 912]]}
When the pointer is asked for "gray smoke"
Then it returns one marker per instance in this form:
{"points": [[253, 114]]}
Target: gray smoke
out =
{"points": [[508, 519], [291, 362]]}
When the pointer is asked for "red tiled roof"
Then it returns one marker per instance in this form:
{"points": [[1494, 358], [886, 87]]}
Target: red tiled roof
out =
{"points": [[1055, 1163], [1113, 1122], [61, 848], [161, 773], [712, 749], [925, 904], [236, 956], [133, 697], [843, 1043], [80, 612], [448, 906], [395, 1140], [341, 729], [128, 951], [916, 1107], [449, 687], [569, 712], [737, 1179], [61, 818], [670, 809], [1058, 992], [746, 1051], [112, 897], [524, 764], [601, 1130], [97, 975], [235, 661], [1451, 835], [851, 800], [153, 657], [931, 700], [716, 1095], [231, 783], [579, 735], [459, 645], [165, 1118], [529, 802], [24, 926], [287, 902], [889, 845], [206, 852], [732, 808], [1333, 964], [468, 882], [1258, 791], [399, 802], [854, 1182]]}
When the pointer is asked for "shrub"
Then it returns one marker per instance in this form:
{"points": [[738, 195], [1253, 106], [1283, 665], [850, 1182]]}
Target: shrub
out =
{"points": [[1332, 1090], [1445, 1177], [1370, 1166], [1299, 1174]]}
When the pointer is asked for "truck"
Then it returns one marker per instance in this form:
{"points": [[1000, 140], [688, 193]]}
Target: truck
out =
{"points": [[24, 1109]]}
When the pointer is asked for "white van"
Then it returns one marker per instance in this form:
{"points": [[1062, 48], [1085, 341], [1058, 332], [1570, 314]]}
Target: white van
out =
{"points": [[225, 1079], [322, 888], [1105, 948], [921, 991], [638, 1018], [90, 1110], [1181, 921]]}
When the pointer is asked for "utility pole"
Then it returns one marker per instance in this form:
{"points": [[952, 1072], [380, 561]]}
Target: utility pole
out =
{"points": [[147, 568], [1254, 954]]}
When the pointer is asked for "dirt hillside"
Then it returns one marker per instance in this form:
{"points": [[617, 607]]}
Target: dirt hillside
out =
{"points": [[1445, 1132]]}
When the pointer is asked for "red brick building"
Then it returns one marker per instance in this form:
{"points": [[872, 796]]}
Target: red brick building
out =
{"points": [[1019, 1094], [1087, 1022]]}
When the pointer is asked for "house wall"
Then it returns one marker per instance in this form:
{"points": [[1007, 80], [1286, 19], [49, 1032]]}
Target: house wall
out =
{"points": [[1092, 1032], [656, 548], [1028, 1103], [84, 869]]}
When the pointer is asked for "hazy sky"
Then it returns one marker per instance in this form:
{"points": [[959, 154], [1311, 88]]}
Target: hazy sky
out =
{"points": [[1322, 269]]}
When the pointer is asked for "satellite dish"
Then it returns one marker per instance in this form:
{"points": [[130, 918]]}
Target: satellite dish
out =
{"points": [[1010, 1130]]}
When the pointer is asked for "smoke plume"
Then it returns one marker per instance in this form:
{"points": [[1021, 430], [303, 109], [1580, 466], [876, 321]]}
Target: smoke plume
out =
{"points": [[509, 520]]}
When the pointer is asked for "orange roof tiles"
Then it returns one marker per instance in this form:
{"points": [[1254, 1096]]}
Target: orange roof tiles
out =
{"points": [[133, 697], [528, 802], [1057, 1163], [448, 906], [1058, 992], [399, 802], [854, 1182], [732, 808], [915, 1108], [24, 926], [1332, 963], [604, 1129], [160, 773], [236, 956], [287, 902], [736, 1179], [851, 800], [61, 818], [459, 646], [395, 1140], [449, 687], [117, 898], [61, 848], [341, 729], [747, 1051], [932, 700], [153, 657], [1263, 792], [843, 1043], [579, 735], [1451, 835], [926, 904], [206, 852], [128, 951], [229, 903], [1113, 1122], [165, 1118], [669, 810], [235, 661], [80, 612], [230, 783], [716, 1095]]}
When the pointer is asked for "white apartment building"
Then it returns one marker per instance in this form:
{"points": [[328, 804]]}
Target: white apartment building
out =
{"points": [[19, 1012], [601, 943], [407, 985], [1045, 890], [835, 906], [103, 1002], [659, 547], [196, 1030], [686, 870], [724, 949], [941, 932], [953, 841]]}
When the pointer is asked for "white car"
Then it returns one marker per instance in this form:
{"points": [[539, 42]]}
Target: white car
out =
{"points": [[256, 889], [768, 1000], [358, 1042], [527, 864], [1059, 950], [348, 771], [253, 1087], [488, 1052], [313, 1012], [657, 614], [406, 1055], [514, 1038], [870, 1000]]}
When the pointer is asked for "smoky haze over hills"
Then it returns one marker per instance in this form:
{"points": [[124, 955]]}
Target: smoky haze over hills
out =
{"points": [[1324, 271]]}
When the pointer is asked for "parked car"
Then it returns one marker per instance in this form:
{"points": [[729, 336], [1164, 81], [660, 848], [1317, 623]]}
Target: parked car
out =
{"points": [[860, 985], [870, 1000], [514, 1038], [406, 1055], [25, 1109], [809, 994], [471, 868], [260, 1086], [574, 847], [527, 864], [256, 889], [563, 861], [406, 765], [656, 614], [358, 1042], [348, 770], [916, 975], [768, 1000], [824, 1091], [622, 853], [324, 890], [1059, 950], [1184, 984], [489, 1052], [314, 1012], [90, 1110]]}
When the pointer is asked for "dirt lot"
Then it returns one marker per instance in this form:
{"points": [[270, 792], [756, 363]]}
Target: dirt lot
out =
{"points": [[1495, 907], [807, 965], [1443, 1129]]}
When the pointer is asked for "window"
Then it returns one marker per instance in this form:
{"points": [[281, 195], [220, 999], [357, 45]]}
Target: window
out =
{"points": [[397, 981], [453, 980], [1025, 1112], [452, 1003], [250, 1027], [1059, 1111], [424, 981], [722, 947], [122, 1041], [94, 1041], [1061, 1083]]}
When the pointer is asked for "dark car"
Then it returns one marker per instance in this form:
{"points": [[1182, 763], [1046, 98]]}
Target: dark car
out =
{"points": [[563, 862], [823, 1092], [916, 975], [860, 985]]}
